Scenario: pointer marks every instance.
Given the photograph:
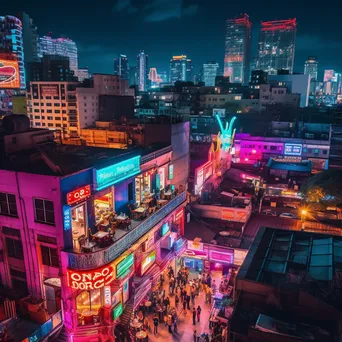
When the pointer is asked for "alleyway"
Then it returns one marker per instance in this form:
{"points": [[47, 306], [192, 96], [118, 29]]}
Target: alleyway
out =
{"points": [[185, 328]]}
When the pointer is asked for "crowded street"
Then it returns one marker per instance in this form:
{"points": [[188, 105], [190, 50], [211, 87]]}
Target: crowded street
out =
{"points": [[173, 316]]}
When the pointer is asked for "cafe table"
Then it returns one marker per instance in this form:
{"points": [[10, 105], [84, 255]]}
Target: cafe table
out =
{"points": [[100, 234], [121, 217], [88, 247], [141, 335]]}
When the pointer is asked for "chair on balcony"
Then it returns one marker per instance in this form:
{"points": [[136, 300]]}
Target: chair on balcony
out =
{"points": [[82, 240]]}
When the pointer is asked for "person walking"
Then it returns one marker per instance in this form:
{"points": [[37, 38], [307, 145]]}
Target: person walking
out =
{"points": [[194, 316], [169, 323], [198, 313], [176, 301], [195, 336], [184, 305], [188, 302], [155, 324]]}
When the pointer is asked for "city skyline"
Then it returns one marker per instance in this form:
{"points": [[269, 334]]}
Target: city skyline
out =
{"points": [[162, 26]]}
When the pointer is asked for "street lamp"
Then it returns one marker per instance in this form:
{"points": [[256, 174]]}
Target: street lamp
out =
{"points": [[303, 214]]}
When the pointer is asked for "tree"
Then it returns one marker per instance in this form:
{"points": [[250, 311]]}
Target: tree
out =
{"points": [[324, 189]]}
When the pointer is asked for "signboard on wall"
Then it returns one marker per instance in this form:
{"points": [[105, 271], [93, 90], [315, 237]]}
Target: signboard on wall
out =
{"points": [[117, 311], [115, 173], [221, 112], [170, 171], [293, 149], [147, 262], [222, 257], [49, 90], [195, 246], [124, 265], [90, 280], [66, 218], [78, 195], [9, 74]]}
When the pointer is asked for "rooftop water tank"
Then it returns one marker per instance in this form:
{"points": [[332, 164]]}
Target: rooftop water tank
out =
{"points": [[16, 123]]}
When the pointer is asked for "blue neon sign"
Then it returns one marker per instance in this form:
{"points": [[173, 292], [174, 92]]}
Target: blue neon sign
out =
{"points": [[226, 134], [165, 229], [293, 149], [66, 217], [118, 172]]}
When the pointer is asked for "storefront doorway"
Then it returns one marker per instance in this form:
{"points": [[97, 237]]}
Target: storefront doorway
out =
{"points": [[78, 224], [103, 205]]}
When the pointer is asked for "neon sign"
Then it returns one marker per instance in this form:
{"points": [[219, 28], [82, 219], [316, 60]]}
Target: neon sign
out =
{"points": [[147, 262], [66, 218], [90, 280], [118, 172], [293, 149], [124, 265], [170, 171], [165, 229], [118, 310], [78, 195], [221, 257], [226, 135]]}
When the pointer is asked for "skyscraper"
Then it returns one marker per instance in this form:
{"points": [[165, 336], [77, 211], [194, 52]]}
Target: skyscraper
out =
{"points": [[142, 71], [121, 67], [238, 46], [11, 41], [311, 67], [277, 42], [30, 38], [181, 69], [61, 47], [209, 73]]}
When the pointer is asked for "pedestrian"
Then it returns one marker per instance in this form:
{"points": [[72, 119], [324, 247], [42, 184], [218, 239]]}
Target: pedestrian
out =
{"points": [[194, 316], [169, 323], [193, 294], [198, 313], [184, 305], [213, 286], [176, 301], [188, 302], [185, 295], [195, 336], [175, 325], [155, 324], [165, 320], [209, 280]]}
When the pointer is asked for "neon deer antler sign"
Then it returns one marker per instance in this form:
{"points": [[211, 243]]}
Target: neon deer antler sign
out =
{"points": [[226, 135]]}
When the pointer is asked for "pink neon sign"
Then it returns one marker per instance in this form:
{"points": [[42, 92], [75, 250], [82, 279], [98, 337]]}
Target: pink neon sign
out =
{"points": [[221, 257]]}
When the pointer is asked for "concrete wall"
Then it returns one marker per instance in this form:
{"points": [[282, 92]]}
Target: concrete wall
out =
{"points": [[180, 141], [26, 187]]}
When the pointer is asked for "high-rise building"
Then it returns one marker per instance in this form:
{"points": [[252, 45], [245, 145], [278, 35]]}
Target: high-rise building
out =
{"points": [[238, 46], [329, 75], [209, 73], [154, 78], [132, 76], [277, 42], [258, 77], [11, 41], [30, 38], [181, 69], [311, 67], [61, 47], [51, 68], [121, 67], [82, 74], [142, 71]]}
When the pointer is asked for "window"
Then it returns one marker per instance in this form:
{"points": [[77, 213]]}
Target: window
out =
{"points": [[14, 249], [36, 110], [42, 111], [47, 239], [43, 124], [57, 105], [49, 111], [8, 205], [130, 191], [36, 103], [49, 104], [58, 125], [44, 211], [37, 123], [63, 111], [49, 256], [57, 111], [325, 152], [85, 111], [58, 118], [50, 125], [64, 119], [63, 105], [37, 117], [11, 231]]}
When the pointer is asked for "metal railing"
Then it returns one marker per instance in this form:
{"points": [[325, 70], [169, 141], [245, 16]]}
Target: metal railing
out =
{"points": [[105, 256]]}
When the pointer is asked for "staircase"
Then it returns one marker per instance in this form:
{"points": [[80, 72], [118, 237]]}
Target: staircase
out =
{"points": [[127, 314]]}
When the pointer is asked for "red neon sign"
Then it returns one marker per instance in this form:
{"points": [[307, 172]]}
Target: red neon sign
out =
{"points": [[79, 194], [90, 280]]}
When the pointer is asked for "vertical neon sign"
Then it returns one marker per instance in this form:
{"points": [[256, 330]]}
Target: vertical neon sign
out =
{"points": [[226, 135]]}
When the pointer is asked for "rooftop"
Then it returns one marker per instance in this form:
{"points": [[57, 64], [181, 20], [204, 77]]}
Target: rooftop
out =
{"points": [[295, 260], [304, 166], [62, 160]]}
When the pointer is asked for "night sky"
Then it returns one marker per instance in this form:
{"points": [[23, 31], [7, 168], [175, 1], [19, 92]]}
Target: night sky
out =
{"points": [[102, 29]]}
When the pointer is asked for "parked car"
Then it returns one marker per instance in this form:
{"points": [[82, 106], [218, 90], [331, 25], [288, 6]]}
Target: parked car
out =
{"points": [[288, 215], [269, 212], [290, 205]]}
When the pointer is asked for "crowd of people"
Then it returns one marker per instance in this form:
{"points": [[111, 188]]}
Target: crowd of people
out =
{"points": [[180, 301]]}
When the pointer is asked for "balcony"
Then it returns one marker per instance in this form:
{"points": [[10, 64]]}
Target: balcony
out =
{"points": [[100, 257]]}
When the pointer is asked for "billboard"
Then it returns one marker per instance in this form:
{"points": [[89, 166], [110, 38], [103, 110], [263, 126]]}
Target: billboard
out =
{"points": [[49, 90], [9, 74], [293, 149]]}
